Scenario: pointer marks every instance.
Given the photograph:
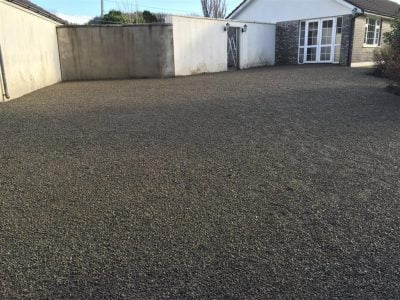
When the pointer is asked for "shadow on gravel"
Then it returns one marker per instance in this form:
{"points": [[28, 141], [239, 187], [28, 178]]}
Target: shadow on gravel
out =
{"points": [[276, 182]]}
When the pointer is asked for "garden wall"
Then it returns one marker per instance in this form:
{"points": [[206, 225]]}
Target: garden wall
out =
{"points": [[200, 44], [116, 52], [30, 51]]}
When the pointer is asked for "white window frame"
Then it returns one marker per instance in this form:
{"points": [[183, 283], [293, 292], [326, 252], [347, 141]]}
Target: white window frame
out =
{"points": [[377, 32], [318, 46], [337, 43]]}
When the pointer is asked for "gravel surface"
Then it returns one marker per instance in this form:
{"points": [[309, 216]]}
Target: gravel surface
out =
{"points": [[269, 183]]}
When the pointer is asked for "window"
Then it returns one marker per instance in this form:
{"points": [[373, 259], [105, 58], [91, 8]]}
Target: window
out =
{"points": [[338, 39], [372, 32], [302, 41], [339, 25], [302, 33]]}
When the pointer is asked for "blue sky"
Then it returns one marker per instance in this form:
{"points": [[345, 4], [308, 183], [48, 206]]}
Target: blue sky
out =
{"points": [[91, 8]]}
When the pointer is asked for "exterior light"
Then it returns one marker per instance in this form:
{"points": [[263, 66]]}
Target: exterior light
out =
{"points": [[244, 29], [226, 28]]}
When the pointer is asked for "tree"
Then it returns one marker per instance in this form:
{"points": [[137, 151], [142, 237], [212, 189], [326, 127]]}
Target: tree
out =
{"points": [[214, 8], [119, 17], [149, 17], [114, 16]]}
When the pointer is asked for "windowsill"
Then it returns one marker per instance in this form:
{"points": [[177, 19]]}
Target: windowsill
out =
{"points": [[370, 46]]}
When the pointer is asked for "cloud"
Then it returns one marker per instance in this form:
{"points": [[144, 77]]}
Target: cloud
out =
{"points": [[74, 19]]}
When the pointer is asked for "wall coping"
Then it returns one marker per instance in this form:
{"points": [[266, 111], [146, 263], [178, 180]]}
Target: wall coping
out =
{"points": [[224, 20], [115, 25]]}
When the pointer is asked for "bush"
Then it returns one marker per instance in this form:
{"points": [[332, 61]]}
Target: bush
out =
{"points": [[387, 58], [382, 57], [393, 70], [119, 17], [393, 37]]}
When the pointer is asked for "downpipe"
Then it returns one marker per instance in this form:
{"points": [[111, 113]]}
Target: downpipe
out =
{"points": [[3, 76]]}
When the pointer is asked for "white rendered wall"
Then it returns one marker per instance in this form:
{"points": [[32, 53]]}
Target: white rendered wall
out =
{"points": [[30, 50], [257, 45], [290, 10], [200, 45]]}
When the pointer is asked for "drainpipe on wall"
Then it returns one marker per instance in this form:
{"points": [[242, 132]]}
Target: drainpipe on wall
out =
{"points": [[356, 13], [3, 76]]}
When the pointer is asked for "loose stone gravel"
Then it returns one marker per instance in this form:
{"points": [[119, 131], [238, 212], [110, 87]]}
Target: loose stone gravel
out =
{"points": [[269, 183]]}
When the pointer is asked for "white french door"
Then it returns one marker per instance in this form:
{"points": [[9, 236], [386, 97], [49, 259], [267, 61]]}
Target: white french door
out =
{"points": [[317, 41], [311, 41]]}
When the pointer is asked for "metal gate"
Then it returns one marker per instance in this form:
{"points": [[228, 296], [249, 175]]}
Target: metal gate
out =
{"points": [[233, 48]]}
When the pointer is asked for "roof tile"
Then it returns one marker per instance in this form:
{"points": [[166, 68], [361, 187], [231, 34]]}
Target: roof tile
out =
{"points": [[37, 9]]}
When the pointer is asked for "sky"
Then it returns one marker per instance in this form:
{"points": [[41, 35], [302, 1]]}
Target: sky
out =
{"points": [[80, 11]]}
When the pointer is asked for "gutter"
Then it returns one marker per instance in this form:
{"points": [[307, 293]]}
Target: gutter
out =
{"points": [[380, 14], [3, 76]]}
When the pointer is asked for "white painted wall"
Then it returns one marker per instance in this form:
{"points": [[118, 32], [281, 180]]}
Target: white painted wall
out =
{"points": [[290, 10], [257, 45], [30, 50], [200, 44]]}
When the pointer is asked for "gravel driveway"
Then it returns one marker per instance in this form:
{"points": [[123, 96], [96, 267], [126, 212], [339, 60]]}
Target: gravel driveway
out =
{"points": [[269, 183]]}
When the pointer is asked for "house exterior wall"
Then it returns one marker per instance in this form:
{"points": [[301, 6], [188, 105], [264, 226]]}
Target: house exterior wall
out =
{"points": [[289, 10], [363, 55], [116, 52], [346, 40], [287, 41], [200, 44], [30, 50]]}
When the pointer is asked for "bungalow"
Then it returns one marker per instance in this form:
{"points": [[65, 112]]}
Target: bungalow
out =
{"points": [[344, 32]]}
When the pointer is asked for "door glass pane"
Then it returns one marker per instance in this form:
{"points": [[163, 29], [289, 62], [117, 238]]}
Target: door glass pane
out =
{"points": [[311, 54], [327, 27], [325, 53], [312, 33]]}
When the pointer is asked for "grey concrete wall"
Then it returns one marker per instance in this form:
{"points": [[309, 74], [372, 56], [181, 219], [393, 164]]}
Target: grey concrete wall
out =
{"points": [[361, 53], [287, 42], [116, 52]]}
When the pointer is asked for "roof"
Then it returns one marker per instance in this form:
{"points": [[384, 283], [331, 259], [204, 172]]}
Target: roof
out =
{"points": [[37, 9], [236, 9], [380, 7]]}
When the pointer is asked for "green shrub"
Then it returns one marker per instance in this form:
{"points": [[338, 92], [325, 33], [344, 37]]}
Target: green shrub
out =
{"points": [[392, 38], [382, 57], [387, 58], [393, 70]]}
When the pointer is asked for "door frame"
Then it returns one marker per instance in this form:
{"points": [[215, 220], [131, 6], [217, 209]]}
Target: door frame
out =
{"points": [[306, 46], [237, 58], [319, 41]]}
